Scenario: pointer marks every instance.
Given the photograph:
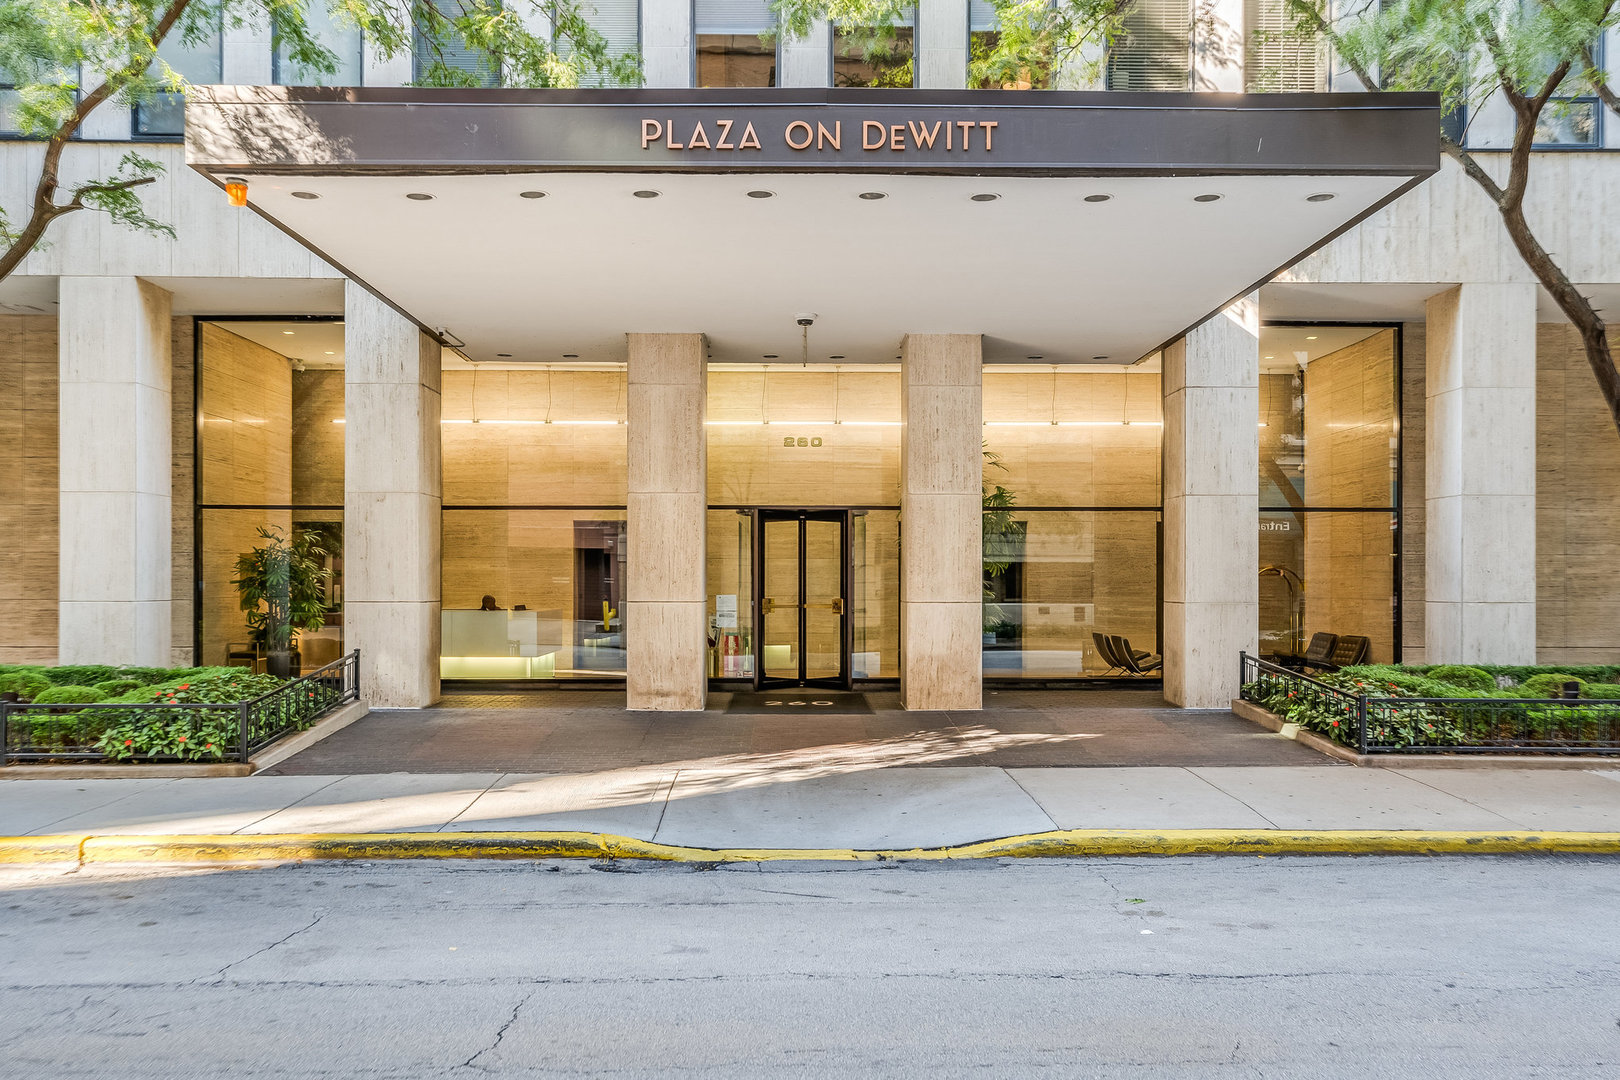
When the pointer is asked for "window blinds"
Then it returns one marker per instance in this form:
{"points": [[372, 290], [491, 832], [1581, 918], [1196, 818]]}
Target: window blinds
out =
{"points": [[1278, 58], [619, 21], [1155, 52], [734, 17], [453, 51], [982, 16]]}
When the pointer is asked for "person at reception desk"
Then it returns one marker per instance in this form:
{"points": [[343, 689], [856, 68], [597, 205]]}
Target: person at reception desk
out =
{"points": [[489, 604]]}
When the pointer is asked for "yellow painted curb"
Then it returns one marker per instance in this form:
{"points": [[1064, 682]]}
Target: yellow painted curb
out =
{"points": [[1066, 843]]}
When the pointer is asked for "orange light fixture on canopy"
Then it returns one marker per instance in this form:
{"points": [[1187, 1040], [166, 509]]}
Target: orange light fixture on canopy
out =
{"points": [[236, 193]]}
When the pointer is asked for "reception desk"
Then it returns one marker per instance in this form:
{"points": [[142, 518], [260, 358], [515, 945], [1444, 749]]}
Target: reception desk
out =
{"points": [[515, 645]]}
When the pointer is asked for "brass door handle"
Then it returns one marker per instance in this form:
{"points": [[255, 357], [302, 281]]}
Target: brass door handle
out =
{"points": [[836, 605]]}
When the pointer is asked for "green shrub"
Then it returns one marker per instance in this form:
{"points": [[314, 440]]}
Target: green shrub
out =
{"points": [[146, 676], [1603, 673], [1599, 691], [1469, 678], [1548, 684], [115, 687], [69, 695], [25, 684], [78, 674]]}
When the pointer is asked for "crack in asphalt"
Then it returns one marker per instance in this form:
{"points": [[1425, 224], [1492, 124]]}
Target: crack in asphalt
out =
{"points": [[471, 1063], [220, 974]]}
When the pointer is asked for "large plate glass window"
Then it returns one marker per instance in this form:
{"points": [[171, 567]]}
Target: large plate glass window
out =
{"points": [[876, 56], [1573, 119], [984, 34], [200, 62], [736, 43], [1155, 51], [343, 39], [445, 57], [1329, 486]]}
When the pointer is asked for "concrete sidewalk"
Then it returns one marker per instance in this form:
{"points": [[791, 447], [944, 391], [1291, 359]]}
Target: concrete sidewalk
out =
{"points": [[823, 804]]}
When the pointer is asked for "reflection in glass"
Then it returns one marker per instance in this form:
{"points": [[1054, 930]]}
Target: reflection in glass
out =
{"points": [[533, 594], [874, 56], [342, 39], [1055, 577], [735, 60], [1330, 572], [269, 457], [730, 576], [199, 62]]}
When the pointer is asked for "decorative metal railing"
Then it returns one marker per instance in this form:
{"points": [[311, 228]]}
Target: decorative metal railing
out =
{"points": [[1374, 724], [175, 732]]}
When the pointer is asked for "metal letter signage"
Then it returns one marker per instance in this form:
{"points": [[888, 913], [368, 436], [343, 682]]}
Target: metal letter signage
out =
{"points": [[1044, 132]]}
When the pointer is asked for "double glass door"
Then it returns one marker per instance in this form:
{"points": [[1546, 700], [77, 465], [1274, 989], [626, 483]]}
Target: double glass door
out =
{"points": [[802, 598]]}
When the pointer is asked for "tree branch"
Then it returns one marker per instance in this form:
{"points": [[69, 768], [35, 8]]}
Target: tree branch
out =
{"points": [[77, 202], [45, 208], [1600, 84]]}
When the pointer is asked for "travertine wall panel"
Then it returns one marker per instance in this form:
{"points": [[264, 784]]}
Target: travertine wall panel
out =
{"points": [[1414, 512], [1577, 507], [183, 500], [317, 442], [28, 530]]}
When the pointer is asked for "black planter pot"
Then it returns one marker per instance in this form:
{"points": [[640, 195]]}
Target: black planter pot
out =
{"points": [[279, 664]]}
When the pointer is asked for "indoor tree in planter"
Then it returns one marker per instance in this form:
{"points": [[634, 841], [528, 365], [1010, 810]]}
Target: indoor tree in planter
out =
{"points": [[282, 588]]}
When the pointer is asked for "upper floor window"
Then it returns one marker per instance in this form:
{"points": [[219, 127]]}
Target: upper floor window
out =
{"points": [[619, 22], [1279, 57], [199, 62], [1155, 51], [441, 56], [1573, 118], [735, 42], [984, 34], [878, 56], [10, 99], [342, 40]]}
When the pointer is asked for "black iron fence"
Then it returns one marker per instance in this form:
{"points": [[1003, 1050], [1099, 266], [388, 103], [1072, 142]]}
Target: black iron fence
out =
{"points": [[175, 732], [1374, 724]]}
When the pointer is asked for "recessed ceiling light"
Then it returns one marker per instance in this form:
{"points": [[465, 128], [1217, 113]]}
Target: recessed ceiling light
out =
{"points": [[331, 352], [289, 333], [769, 356], [838, 356], [1270, 357], [305, 195], [1098, 198], [504, 355], [874, 196], [646, 193], [1310, 337], [1207, 198], [419, 196], [762, 194], [1320, 196], [1036, 357], [531, 194], [985, 196], [570, 356], [1099, 357]]}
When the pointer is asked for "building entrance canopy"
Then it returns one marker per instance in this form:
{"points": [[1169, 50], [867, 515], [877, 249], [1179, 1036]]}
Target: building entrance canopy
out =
{"points": [[1064, 227]]}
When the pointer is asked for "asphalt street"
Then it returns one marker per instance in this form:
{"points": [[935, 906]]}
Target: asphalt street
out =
{"points": [[1215, 967]]}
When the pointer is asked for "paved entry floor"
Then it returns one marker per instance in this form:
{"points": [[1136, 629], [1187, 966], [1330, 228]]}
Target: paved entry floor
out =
{"points": [[577, 731]]}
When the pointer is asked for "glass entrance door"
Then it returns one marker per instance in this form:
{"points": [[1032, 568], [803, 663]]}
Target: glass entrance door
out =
{"points": [[801, 598]]}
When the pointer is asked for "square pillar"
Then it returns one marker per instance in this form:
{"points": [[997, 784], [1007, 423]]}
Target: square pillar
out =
{"points": [[392, 501], [1211, 507], [942, 44], [806, 61], [941, 521], [666, 43], [1480, 476], [114, 479], [666, 618]]}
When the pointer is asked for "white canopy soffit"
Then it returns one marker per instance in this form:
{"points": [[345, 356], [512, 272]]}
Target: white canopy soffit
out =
{"points": [[1064, 227]]}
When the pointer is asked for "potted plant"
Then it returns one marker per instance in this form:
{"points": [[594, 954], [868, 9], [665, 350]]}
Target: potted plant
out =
{"points": [[281, 586]]}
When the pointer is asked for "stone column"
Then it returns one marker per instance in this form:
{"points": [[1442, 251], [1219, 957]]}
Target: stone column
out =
{"points": [[665, 619], [941, 527], [393, 493], [1480, 476], [114, 478], [666, 43], [1211, 507], [942, 44], [806, 61]]}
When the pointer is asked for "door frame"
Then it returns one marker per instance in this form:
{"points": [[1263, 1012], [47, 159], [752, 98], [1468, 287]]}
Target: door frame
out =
{"points": [[803, 514]]}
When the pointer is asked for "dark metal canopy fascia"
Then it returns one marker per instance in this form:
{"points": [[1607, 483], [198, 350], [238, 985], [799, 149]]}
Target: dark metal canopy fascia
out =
{"points": [[414, 130]]}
